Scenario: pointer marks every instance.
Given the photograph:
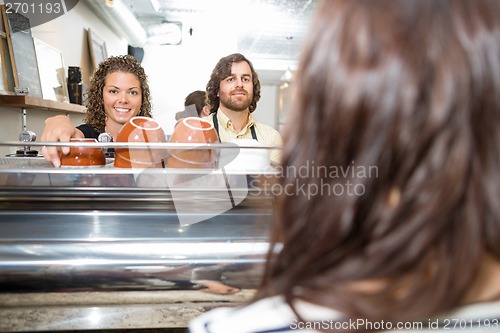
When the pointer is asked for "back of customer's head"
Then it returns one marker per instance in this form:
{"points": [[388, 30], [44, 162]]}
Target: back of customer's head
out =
{"points": [[396, 119], [197, 98], [95, 115]]}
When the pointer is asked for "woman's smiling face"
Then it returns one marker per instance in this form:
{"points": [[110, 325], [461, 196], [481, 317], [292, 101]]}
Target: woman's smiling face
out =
{"points": [[122, 97]]}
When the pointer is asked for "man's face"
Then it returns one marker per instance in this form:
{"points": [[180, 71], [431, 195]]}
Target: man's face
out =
{"points": [[236, 90]]}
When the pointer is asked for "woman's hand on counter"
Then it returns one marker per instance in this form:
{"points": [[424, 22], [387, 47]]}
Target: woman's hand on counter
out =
{"points": [[58, 129]]}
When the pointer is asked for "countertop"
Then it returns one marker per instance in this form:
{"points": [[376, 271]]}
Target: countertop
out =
{"points": [[109, 310]]}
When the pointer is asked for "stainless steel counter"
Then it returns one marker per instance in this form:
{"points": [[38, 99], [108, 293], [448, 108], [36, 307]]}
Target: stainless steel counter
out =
{"points": [[161, 241]]}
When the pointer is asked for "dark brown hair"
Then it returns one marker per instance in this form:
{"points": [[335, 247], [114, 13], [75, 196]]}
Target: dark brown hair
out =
{"points": [[221, 71], [409, 89], [197, 98], [95, 115]]}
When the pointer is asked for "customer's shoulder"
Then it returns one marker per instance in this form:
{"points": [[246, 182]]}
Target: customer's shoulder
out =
{"points": [[264, 315]]}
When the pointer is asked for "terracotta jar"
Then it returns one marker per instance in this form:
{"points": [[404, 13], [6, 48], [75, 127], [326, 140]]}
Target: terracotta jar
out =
{"points": [[193, 130], [84, 156], [141, 130]]}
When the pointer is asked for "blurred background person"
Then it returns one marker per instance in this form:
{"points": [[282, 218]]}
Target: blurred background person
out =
{"points": [[410, 89], [194, 105]]}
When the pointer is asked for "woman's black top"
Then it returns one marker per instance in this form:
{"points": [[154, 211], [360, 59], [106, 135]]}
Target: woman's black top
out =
{"points": [[88, 131]]}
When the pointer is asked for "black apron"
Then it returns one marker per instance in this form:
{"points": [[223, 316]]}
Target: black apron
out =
{"points": [[249, 177]]}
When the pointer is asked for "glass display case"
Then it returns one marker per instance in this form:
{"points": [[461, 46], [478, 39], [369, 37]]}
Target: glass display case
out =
{"points": [[158, 239]]}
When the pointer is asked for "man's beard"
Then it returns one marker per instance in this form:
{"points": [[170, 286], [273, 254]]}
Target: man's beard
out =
{"points": [[235, 105]]}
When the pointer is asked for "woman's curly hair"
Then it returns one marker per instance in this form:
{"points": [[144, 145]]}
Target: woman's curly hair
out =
{"points": [[95, 115], [223, 70]]}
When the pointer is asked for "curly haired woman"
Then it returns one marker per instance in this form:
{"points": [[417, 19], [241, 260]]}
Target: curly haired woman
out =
{"points": [[118, 91]]}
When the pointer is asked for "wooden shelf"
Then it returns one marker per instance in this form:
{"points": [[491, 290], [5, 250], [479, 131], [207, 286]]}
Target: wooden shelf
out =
{"points": [[30, 102]]}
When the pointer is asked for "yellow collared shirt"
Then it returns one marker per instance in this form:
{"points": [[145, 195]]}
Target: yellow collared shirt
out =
{"points": [[265, 134]]}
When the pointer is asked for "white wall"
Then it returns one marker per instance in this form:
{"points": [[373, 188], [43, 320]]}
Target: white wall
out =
{"points": [[267, 108], [67, 34]]}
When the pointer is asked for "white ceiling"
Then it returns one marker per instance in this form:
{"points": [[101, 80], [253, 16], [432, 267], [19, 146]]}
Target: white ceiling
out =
{"points": [[271, 30]]}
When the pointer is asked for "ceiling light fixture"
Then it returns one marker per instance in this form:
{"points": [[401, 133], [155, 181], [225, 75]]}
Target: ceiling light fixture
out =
{"points": [[288, 75], [120, 19], [166, 33]]}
